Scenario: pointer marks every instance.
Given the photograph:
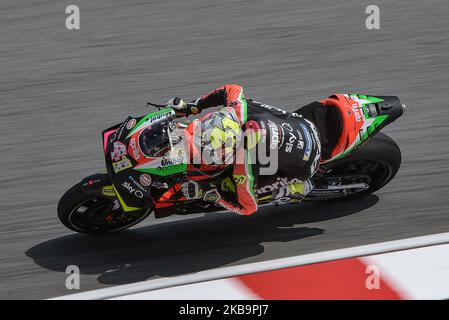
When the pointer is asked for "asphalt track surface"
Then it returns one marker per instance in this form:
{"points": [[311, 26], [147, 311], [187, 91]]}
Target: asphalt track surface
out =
{"points": [[60, 88]]}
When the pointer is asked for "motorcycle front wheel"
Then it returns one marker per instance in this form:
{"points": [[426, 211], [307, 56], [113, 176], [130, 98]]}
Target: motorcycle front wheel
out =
{"points": [[86, 213]]}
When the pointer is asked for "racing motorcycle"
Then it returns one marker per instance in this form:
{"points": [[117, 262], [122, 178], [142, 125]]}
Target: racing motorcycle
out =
{"points": [[144, 168]]}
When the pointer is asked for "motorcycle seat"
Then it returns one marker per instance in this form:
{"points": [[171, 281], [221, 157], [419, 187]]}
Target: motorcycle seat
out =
{"points": [[328, 120]]}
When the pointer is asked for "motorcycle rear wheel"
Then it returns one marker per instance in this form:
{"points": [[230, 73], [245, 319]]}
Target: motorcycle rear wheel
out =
{"points": [[376, 163]]}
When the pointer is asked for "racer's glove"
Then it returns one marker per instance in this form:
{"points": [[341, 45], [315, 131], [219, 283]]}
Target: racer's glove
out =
{"points": [[181, 107], [212, 196]]}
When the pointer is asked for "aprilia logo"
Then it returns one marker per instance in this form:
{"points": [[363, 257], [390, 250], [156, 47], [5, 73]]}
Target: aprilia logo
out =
{"points": [[274, 134], [280, 183]]}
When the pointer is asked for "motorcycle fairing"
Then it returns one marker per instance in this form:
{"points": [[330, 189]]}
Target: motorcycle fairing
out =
{"points": [[125, 180], [361, 116]]}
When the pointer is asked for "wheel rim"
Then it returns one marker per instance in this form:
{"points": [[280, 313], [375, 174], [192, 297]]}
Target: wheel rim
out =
{"points": [[98, 214], [379, 172], [372, 172]]}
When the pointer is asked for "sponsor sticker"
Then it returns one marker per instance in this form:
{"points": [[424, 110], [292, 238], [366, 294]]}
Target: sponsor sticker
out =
{"points": [[145, 180], [280, 183], [300, 144], [308, 137], [122, 165], [134, 191], [108, 191], [274, 134], [166, 162], [212, 196], [357, 112], [317, 143], [296, 115], [191, 190], [131, 123], [290, 137], [137, 184], [118, 152], [121, 129], [150, 119], [270, 107], [134, 150], [239, 179]]}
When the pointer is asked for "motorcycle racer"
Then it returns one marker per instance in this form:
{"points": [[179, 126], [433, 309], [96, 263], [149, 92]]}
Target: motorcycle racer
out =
{"points": [[230, 136]]}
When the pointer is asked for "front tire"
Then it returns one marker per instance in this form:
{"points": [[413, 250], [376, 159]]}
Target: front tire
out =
{"points": [[91, 214]]}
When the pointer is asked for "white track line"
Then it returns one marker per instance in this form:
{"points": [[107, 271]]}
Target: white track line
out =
{"points": [[232, 271]]}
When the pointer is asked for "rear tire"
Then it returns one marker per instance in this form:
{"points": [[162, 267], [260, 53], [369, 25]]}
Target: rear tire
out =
{"points": [[86, 213], [380, 157]]}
